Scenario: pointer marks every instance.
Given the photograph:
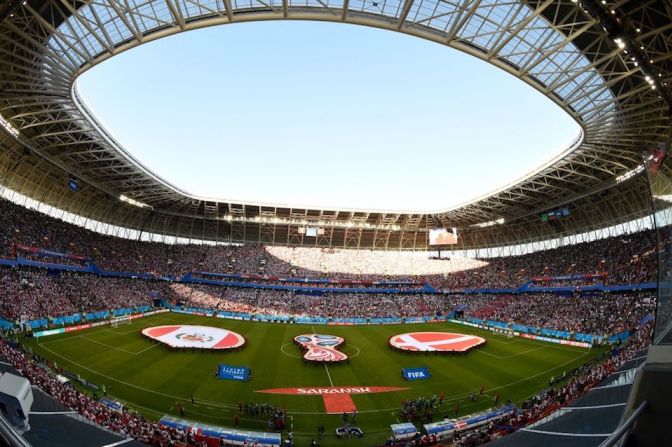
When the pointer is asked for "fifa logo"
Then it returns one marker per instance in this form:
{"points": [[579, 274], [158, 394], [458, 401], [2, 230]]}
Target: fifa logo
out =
{"points": [[321, 348]]}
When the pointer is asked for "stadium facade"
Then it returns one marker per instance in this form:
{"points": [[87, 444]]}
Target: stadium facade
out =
{"points": [[606, 65]]}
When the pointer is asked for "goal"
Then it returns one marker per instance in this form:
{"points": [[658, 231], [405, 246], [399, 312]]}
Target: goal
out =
{"points": [[505, 331], [118, 321]]}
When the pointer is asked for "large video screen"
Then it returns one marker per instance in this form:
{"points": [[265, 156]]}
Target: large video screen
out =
{"points": [[441, 236]]}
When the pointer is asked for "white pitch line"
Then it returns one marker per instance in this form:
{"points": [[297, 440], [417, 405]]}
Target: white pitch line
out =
{"points": [[325, 365], [112, 330], [225, 405], [549, 345], [282, 349], [487, 353], [84, 337], [511, 355], [104, 344], [114, 379], [328, 375], [53, 341], [523, 353], [147, 349]]}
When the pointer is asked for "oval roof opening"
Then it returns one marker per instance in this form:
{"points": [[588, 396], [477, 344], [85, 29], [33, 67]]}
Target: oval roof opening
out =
{"points": [[323, 115]]}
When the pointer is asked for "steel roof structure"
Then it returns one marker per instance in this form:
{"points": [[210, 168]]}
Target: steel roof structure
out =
{"points": [[606, 63]]}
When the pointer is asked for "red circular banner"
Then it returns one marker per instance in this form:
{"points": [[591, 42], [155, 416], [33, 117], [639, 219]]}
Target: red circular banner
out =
{"points": [[435, 342], [195, 337]]}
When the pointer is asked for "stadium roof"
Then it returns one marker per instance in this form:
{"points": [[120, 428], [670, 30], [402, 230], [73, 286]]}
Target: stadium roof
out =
{"points": [[606, 64]]}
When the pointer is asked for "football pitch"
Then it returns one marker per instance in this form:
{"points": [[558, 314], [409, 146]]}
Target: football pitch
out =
{"points": [[152, 379]]}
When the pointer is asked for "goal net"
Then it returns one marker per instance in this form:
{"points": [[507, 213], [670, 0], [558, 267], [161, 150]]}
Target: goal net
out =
{"points": [[118, 321], [507, 332]]}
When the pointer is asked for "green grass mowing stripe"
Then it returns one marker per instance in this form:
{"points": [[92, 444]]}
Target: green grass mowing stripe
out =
{"points": [[155, 380]]}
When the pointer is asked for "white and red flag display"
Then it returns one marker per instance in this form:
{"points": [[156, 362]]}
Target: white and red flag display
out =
{"points": [[435, 341], [200, 337]]}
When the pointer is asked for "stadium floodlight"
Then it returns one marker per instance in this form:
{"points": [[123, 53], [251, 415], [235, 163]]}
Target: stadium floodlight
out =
{"points": [[619, 42], [133, 202], [628, 175], [9, 127], [317, 223], [489, 223]]}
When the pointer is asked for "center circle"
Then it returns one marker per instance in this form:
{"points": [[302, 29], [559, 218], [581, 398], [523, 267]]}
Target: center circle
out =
{"points": [[345, 348], [282, 349]]}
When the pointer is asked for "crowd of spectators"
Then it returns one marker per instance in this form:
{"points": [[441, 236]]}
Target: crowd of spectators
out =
{"points": [[363, 264], [30, 294], [627, 259], [548, 401], [132, 425], [125, 423], [27, 294], [603, 314], [35, 293], [278, 302], [265, 280]]}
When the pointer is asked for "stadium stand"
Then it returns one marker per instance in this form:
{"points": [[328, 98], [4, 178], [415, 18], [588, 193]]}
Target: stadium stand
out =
{"points": [[33, 293], [600, 375], [606, 64], [589, 408], [50, 428], [628, 259]]}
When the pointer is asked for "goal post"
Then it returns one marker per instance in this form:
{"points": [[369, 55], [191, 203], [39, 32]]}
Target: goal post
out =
{"points": [[505, 331], [121, 320]]}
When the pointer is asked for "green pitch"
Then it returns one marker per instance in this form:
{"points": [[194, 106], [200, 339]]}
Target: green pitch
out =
{"points": [[151, 379]]}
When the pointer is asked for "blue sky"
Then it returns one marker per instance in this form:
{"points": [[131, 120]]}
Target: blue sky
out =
{"points": [[323, 114]]}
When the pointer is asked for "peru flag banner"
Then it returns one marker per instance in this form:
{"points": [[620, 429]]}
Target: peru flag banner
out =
{"points": [[199, 337]]}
